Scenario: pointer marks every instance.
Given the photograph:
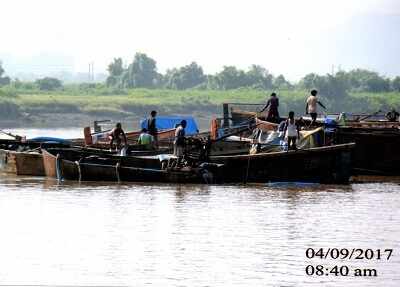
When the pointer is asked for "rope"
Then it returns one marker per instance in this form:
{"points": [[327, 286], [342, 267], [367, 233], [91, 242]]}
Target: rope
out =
{"points": [[79, 170], [117, 171], [58, 170], [247, 169]]}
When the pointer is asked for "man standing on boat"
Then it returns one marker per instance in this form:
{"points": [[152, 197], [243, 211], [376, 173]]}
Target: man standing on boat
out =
{"points": [[272, 109], [311, 106], [291, 131], [115, 136], [152, 127], [179, 143]]}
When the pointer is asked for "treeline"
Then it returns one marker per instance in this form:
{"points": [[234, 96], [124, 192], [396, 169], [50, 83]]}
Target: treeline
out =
{"points": [[142, 73]]}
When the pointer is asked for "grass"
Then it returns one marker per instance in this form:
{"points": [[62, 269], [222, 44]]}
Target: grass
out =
{"points": [[140, 101]]}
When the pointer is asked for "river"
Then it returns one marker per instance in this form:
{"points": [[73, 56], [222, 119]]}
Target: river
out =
{"points": [[102, 234]]}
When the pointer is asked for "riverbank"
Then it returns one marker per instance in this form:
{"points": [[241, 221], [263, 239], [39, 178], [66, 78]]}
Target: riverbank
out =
{"points": [[71, 108]]}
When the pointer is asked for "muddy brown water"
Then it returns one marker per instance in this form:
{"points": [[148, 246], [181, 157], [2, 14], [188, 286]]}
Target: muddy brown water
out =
{"points": [[123, 234]]}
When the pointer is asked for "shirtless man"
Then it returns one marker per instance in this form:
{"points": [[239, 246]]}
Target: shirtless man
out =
{"points": [[115, 136]]}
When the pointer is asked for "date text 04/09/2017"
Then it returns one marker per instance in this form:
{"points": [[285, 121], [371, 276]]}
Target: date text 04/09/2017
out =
{"points": [[349, 253], [344, 271]]}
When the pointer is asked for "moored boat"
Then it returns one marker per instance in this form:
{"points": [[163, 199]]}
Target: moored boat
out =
{"points": [[23, 158], [377, 150], [326, 164], [21, 163], [50, 155], [101, 139], [70, 163], [377, 139]]}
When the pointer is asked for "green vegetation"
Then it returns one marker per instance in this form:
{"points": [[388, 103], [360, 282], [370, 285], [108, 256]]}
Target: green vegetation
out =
{"points": [[135, 90], [142, 73], [101, 101], [3, 80], [49, 84]]}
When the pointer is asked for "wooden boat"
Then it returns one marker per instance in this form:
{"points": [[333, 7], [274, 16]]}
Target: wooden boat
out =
{"points": [[377, 139], [100, 139], [21, 163], [69, 162], [373, 124], [377, 151], [230, 147], [23, 158], [237, 139], [330, 164], [49, 159], [327, 164], [117, 173], [17, 145], [239, 116]]}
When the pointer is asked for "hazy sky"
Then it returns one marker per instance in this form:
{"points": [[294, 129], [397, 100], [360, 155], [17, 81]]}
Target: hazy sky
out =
{"points": [[292, 37]]}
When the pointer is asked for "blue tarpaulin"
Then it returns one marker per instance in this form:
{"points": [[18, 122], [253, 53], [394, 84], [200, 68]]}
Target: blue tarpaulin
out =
{"points": [[50, 140], [169, 122], [330, 122]]}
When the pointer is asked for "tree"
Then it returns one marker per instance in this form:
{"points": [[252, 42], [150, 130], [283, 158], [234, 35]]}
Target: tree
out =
{"points": [[396, 84], [231, 78], [377, 84], [1, 69], [312, 81], [259, 77], [332, 86], [4, 81], [116, 67], [49, 84], [115, 70], [185, 77], [212, 82], [358, 77], [368, 81], [141, 73], [281, 83]]}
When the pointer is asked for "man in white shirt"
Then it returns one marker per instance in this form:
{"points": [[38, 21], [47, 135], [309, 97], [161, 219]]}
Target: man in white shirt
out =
{"points": [[179, 143], [311, 106]]}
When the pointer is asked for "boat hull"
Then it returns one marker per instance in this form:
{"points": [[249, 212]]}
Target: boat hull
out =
{"points": [[377, 149], [97, 172], [94, 164], [21, 163], [330, 164]]}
